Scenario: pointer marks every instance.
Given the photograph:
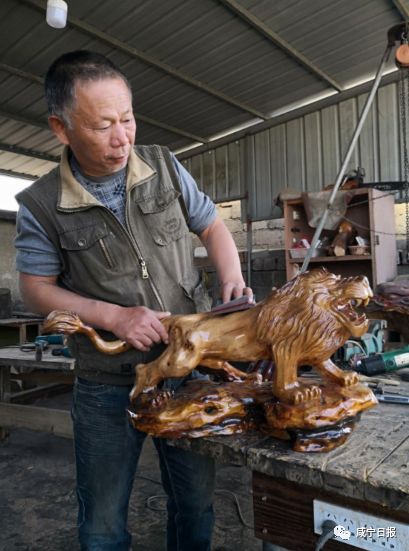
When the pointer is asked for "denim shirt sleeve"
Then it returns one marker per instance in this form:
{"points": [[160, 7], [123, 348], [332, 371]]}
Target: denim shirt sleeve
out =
{"points": [[36, 255], [201, 209]]}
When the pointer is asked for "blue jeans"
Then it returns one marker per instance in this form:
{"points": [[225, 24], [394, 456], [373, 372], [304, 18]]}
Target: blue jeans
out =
{"points": [[107, 450]]}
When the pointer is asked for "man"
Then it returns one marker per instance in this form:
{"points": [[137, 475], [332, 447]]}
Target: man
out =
{"points": [[106, 234]]}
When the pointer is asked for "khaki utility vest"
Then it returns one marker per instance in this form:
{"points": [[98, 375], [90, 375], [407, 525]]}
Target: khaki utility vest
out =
{"points": [[149, 262]]}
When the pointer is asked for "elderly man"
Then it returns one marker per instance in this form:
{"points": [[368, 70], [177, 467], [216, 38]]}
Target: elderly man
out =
{"points": [[106, 234]]}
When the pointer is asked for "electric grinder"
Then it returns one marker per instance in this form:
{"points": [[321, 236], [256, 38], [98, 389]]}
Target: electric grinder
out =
{"points": [[382, 362]]}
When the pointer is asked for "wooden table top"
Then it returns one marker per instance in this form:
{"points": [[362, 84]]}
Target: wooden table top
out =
{"points": [[18, 322], [372, 465], [13, 356]]}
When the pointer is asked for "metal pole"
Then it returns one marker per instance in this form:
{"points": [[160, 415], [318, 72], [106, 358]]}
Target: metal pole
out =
{"points": [[249, 250], [347, 157]]}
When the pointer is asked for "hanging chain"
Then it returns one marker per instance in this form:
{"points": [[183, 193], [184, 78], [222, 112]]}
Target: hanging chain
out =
{"points": [[403, 108]]}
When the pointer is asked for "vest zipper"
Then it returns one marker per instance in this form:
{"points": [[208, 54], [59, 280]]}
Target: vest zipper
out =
{"points": [[144, 268], [145, 274], [141, 260], [106, 253], [137, 252]]}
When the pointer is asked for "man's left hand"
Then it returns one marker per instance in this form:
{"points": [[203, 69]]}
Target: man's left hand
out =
{"points": [[231, 290]]}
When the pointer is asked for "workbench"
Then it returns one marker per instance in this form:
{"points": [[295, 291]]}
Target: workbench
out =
{"points": [[50, 369], [369, 473], [21, 324]]}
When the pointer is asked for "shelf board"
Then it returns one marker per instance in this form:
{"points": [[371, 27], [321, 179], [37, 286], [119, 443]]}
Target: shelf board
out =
{"points": [[323, 259]]}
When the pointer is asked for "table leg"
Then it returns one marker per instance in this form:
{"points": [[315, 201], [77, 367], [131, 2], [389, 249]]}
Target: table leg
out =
{"points": [[5, 391], [23, 333]]}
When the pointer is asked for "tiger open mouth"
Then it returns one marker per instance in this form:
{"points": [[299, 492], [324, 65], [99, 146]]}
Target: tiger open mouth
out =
{"points": [[347, 309]]}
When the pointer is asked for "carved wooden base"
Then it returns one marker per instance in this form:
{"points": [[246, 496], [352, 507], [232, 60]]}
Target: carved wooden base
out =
{"points": [[321, 424], [203, 408]]}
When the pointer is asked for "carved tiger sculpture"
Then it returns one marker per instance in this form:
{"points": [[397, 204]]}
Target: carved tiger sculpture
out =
{"points": [[302, 323]]}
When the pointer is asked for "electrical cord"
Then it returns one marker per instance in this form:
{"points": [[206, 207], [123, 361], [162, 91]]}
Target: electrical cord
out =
{"points": [[151, 501], [359, 345], [327, 534]]}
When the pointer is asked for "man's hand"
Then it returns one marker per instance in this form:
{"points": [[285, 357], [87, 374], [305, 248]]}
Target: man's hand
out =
{"points": [[231, 290], [140, 327], [223, 254], [137, 325]]}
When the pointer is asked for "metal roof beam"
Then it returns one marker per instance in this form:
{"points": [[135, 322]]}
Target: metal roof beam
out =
{"points": [[38, 80], [28, 152], [402, 9], [288, 116], [26, 120], [15, 174], [22, 74], [268, 33], [150, 60]]}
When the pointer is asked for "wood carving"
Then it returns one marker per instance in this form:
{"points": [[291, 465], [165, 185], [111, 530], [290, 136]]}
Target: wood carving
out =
{"points": [[205, 408], [201, 408], [321, 425], [344, 237], [303, 323]]}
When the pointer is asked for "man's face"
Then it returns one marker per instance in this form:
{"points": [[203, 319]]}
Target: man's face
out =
{"points": [[102, 129]]}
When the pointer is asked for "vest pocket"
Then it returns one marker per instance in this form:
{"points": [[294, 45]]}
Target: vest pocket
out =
{"points": [[197, 292], [88, 242], [163, 217]]}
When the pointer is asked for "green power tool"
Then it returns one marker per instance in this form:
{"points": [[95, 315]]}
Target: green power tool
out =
{"points": [[383, 362]]}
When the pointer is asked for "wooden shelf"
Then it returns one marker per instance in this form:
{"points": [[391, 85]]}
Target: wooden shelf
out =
{"points": [[373, 215], [323, 259]]}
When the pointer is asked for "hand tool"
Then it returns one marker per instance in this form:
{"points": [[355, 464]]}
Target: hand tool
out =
{"points": [[389, 397], [37, 347], [383, 362]]}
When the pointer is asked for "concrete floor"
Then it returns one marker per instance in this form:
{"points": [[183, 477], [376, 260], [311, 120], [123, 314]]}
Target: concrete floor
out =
{"points": [[38, 503]]}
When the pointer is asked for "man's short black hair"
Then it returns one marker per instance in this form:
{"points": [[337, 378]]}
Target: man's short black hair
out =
{"points": [[67, 70]]}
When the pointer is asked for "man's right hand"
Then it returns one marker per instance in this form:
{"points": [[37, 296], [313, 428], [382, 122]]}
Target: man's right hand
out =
{"points": [[140, 327]]}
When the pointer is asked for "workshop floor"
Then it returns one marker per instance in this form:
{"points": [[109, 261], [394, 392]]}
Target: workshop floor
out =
{"points": [[38, 503]]}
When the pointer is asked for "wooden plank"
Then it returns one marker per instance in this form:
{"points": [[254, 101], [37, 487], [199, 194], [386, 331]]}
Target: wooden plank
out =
{"points": [[225, 449], [13, 356], [376, 437], [276, 458], [393, 473], [32, 394], [44, 377], [17, 322], [55, 421], [345, 470]]}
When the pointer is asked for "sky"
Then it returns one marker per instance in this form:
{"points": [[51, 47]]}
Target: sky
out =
{"points": [[9, 187]]}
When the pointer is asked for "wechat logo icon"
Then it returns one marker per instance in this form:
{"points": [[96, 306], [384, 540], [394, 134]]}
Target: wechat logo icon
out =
{"points": [[342, 532]]}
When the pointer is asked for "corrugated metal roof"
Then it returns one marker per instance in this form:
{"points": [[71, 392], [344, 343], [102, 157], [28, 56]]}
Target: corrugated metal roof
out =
{"points": [[197, 67]]}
